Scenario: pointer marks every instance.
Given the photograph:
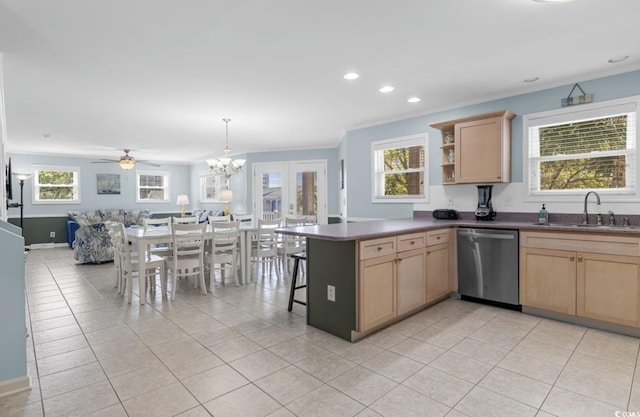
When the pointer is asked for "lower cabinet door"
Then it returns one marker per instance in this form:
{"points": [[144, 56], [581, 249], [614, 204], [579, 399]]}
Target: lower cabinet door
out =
{"points": [[377, 298], [548, 279], [608, 287], [411, 280], [438, 272]]}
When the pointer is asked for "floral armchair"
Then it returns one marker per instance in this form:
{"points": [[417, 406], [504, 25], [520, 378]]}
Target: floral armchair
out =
{"points": [[92, 243]]}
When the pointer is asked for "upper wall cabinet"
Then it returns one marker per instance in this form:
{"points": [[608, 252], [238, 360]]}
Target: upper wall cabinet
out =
{"points": [[476, 149]]}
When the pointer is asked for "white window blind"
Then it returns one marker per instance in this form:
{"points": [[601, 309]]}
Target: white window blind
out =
{"points": [[573, 151], [152, 186]]}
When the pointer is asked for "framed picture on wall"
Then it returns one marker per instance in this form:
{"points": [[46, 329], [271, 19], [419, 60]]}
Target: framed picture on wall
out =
{"points": [[108, 183]]}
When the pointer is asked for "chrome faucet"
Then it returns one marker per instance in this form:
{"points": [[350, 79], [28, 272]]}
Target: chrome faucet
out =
{"points": [[585, 215]]}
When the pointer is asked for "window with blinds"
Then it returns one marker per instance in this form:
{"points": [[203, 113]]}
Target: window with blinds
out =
{"points": [[593, 149], [399, 169], [152, 187]]}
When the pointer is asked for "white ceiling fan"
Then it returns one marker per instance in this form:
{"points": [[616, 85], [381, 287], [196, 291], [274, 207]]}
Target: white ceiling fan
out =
{"points": [[126, 161]]}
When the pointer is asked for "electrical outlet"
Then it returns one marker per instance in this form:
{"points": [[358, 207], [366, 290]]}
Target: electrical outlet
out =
{"points": [[52, 234], [450, 201], [331, 293]]}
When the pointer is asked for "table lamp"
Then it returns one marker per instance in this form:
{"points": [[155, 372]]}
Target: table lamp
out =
{"points": [[183, 200], [226, 196]]}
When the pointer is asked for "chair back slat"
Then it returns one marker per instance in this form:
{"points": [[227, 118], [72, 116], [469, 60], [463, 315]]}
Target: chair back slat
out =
{"points": [[185, 220]]}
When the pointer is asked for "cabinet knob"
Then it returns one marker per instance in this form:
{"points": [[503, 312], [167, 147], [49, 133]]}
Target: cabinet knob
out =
{"points": [[572, 258], [437, 237], [412, 242], [498, 177], [579, 258], [379, 248]]}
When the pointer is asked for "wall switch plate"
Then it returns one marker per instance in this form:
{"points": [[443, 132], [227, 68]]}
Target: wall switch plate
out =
{"points": [[52, 234], [450, 201], [331, 293]]}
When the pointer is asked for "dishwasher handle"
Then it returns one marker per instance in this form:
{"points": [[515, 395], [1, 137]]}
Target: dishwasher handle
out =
{"points": [[486, 235]]}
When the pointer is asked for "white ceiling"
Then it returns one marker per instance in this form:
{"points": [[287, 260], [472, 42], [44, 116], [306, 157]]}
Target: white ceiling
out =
{"points": [[157, 76]]}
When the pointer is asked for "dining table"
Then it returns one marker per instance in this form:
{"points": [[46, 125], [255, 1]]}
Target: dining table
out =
{"points": [[142, 238]]}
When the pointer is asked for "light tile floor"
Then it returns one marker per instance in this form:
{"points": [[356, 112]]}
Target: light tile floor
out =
{"points": [[238, 352]]}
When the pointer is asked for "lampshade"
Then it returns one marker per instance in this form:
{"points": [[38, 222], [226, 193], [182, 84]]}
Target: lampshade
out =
{"points": [[22, 177], [183, 200], [226, 195]]}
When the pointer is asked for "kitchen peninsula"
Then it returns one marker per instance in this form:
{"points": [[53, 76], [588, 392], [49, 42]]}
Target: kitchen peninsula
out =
{"points": [[383, 271]]}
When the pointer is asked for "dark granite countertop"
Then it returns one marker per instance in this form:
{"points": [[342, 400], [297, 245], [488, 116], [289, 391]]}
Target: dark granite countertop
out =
{"points": [[382, 228]]}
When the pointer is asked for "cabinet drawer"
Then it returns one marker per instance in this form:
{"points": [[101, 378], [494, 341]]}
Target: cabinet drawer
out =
{"points": [[582, 242], [437, 237], [412, 241], [377, 247]]}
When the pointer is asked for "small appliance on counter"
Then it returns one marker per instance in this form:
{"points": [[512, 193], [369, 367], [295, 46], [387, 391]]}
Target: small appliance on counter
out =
{"points": [[484, 211], [445, 214]]}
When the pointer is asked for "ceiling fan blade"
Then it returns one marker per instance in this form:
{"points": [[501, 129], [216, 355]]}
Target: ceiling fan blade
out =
{"points": [[147, 163], [105, 161]]}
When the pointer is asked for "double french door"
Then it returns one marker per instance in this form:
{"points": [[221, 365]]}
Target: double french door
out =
{"points": [[291, 188]]}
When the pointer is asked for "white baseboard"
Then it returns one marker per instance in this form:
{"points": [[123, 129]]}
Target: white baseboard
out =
{"points": [[47, 245], [14, 385]]}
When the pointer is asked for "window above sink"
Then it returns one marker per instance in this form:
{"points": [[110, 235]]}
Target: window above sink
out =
{"points": [[588, 147]]}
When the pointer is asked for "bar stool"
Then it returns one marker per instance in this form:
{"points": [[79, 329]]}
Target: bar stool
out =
{"points": [[296, 266]]}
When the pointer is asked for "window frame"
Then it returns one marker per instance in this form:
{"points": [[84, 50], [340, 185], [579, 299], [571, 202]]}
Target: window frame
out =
{"points": [[220, 185], [576, 114], [57, 168], [420, 139], [167, 190]]}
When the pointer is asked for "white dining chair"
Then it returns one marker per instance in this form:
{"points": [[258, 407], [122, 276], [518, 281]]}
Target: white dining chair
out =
{"points": [[264, 249], [242, 218], [214, 219], [160, 249], [187, 259], [224, 251], [129, 265], [185, 220]]}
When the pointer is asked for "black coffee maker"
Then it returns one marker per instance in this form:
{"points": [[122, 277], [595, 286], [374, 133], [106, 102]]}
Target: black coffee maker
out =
{"points": [[484, 211]]}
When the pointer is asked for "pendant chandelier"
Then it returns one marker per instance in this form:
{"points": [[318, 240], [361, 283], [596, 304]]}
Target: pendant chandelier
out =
{"points": [[225, 165]]}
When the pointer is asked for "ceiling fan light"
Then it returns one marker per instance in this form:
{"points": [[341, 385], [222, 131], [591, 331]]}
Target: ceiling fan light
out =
{"points": [[127, 164]]}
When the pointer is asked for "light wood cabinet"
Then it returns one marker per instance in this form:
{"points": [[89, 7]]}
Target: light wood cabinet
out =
{"points": [[548, 279], [480, 150], [599, 279], [608, 288], [411, 280], [377, 291], [439, 283]]}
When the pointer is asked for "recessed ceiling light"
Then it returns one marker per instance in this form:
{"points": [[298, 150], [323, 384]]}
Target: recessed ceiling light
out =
{"points": [[47, 136], [531, 80], [386, 89], [414, 100], [351, 76], [554, 1], [618, 59]]}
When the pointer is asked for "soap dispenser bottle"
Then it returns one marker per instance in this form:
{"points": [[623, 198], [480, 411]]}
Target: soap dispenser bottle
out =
{"points": [[543, 215]]}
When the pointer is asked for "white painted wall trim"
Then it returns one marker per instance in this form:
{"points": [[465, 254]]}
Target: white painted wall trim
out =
{"points": [[14, 385]]}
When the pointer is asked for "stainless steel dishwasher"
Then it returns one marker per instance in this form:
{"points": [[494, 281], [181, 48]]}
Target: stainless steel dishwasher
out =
{"points": [[488, 264]]}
